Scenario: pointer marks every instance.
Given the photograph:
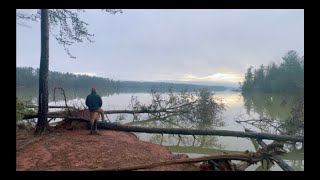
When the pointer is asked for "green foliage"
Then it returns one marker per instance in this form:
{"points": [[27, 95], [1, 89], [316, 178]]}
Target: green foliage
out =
{"points": [[284, 111], [21, 109], [288, 77]]}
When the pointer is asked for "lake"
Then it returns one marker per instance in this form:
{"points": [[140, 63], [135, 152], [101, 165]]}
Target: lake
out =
{"points": [[238, 107]]}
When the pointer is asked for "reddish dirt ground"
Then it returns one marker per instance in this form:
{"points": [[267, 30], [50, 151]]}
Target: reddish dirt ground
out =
{"points": [[75, 149]]}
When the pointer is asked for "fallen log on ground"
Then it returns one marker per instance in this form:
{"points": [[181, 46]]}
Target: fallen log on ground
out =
{"points": [[31, 106], [140, 111], [276, 158], [50, 115], [124, 111], [182, 131], [249, 157], [204, 150], [65, 113]]}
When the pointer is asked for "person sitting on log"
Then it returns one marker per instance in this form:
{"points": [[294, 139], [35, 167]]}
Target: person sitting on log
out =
{"points": [[94, 103]]}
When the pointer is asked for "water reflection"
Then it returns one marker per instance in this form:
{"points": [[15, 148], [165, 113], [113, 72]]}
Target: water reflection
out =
{"points": [[269, 105], [280, 114], [32, 94], [206, 145], [177, 140]]}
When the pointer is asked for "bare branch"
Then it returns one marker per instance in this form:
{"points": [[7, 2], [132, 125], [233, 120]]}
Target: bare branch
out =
{"points": [[64, 95]]}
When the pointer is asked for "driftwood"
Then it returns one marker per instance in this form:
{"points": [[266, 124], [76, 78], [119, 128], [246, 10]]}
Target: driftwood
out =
{"points": [[251, 158], [284, 166]]}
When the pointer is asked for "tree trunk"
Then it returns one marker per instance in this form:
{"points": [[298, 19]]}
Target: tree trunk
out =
{"points": [[184, 131], [30, 116], [143, 111], [58, 107], [43, 75], [181, 131], [240, 156]]}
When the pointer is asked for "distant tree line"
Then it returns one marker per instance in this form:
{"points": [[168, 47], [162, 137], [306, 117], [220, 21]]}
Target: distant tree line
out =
{"points": [[28, 77], [134, 86], [288, 77]]}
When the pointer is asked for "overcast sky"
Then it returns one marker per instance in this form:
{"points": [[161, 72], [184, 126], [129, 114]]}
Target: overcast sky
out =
{"points": [[208, 46]]}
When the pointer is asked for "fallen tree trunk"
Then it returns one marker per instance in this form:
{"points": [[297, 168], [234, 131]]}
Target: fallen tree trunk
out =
{"points": [[284, 166], [30, 106], [124, 111], [57, 114], [140, 111], [50, 115], [249, 157], [182, 131], [207, 151], [241, 156]]}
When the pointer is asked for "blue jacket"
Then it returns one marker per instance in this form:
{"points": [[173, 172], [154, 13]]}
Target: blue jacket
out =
{"points": [[93, 101]]}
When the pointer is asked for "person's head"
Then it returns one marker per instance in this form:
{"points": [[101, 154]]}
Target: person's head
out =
{"points": [[93, 90]]}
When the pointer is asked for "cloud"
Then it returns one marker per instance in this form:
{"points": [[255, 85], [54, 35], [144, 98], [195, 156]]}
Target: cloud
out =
{"points": [[220, 77]]}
